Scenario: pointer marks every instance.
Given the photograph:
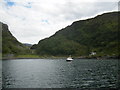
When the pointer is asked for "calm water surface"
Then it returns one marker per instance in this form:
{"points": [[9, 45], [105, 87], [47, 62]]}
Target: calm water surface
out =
{"points": [[57, 73]]}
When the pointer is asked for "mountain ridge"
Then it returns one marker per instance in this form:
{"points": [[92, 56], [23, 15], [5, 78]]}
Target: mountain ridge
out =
{"points": [[81, 37], [10, 45]]}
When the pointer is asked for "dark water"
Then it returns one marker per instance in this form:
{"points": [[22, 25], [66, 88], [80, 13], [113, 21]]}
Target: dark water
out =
{"points": [[57, 73]]}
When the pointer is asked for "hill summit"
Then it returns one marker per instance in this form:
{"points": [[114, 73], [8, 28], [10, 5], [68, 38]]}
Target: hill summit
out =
{"points": [[81, 38]]}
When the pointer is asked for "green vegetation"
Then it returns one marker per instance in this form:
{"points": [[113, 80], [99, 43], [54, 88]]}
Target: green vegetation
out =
{"points": [[37, 56], [27, 56], [10, 45], [99, 34], [0, 41]]}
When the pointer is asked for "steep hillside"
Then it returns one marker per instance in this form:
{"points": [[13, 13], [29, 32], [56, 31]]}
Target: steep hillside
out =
{"points": [[99, 34], [0, 40], [10, 45]]}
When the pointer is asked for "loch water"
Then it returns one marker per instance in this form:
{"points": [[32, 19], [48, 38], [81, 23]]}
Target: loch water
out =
{"points": [[58, 73]]}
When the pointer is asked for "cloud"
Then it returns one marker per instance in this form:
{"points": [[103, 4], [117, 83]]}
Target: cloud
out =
{"points": [[32, 20]]}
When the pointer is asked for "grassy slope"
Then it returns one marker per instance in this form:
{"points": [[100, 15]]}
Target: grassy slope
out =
{"points": [[99, 34], [10, 45]]}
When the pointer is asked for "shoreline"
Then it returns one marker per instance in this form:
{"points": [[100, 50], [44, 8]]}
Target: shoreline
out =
{"points": [[98, 58]]}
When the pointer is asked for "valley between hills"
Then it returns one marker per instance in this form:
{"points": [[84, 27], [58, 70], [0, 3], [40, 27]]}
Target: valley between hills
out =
{"points": [[91, 38]]}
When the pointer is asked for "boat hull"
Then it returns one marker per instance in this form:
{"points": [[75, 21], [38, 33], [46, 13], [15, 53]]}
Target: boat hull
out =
{"points": [[69, 59]]}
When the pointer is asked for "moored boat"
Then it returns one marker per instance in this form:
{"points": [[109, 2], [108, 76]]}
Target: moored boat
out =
{"points": [[69, 58]]}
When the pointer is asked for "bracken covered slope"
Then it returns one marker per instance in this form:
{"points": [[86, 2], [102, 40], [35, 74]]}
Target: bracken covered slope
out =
{"points": [[99, 34]]}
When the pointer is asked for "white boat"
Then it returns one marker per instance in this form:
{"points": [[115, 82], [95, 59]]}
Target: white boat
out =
{"points": [[69, 58]]}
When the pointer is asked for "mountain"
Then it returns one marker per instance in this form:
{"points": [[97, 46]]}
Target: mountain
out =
{"points": [[98, 34], [0, 40], [10, 45], [27, 44]]}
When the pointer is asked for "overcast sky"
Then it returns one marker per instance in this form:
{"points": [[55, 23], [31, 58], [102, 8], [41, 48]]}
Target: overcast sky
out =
{"points": [[32, 20]]}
